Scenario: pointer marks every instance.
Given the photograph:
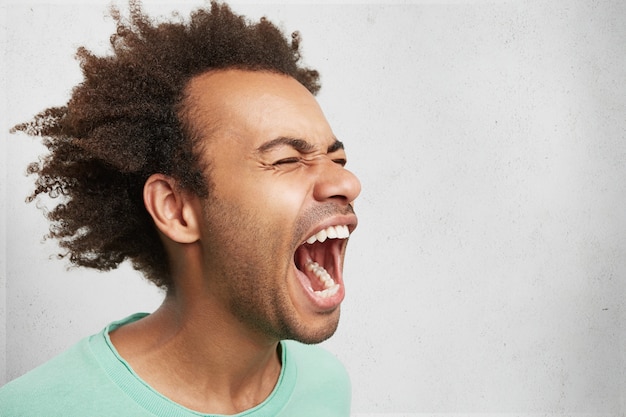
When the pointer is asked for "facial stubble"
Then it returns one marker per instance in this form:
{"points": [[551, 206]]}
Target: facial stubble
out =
{"points": [[252, 259]]}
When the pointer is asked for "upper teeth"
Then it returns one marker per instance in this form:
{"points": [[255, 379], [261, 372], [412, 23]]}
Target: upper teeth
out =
{"points": [[332, 232]]}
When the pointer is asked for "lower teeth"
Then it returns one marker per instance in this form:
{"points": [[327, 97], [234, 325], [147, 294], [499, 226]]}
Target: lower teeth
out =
{"points": [[330, 287]]}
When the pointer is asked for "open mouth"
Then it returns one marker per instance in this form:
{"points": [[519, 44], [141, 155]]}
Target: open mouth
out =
{"points": [[319, 261]]}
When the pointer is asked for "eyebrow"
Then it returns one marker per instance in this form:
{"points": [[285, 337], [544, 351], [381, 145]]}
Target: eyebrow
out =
{"points": [[299, 145]]}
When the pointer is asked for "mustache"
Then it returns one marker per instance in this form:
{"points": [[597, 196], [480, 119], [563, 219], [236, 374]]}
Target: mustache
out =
{"points": [[317, 214]]}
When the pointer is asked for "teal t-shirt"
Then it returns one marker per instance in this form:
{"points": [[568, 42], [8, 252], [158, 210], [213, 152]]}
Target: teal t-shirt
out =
{"points": [[92, 380]]}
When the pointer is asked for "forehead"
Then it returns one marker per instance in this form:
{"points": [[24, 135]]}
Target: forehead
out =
{"points": [[251, 107]]}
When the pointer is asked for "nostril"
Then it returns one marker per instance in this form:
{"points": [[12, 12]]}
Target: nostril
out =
{"points": [[342, 198]]}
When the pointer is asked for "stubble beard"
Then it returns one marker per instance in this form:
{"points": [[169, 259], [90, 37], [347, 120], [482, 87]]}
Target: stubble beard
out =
{"points": [[248, 273]]}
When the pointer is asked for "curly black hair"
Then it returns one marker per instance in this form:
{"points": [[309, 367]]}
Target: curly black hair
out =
{"points": [[126, 121]]}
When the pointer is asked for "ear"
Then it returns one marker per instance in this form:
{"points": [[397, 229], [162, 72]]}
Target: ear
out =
{"points": [[174, 211]]}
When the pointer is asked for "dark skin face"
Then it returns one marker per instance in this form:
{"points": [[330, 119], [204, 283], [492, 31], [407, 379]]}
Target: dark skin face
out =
{"points": [[279, 178], [257, 261]]}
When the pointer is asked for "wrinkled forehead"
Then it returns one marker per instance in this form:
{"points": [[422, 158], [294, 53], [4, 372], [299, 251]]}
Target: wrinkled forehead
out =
{"points": [[253, 106]]}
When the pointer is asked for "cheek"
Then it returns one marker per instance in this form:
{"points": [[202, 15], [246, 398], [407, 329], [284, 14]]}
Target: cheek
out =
{"points": [[276, 197], [268, 201], [284, 202]]}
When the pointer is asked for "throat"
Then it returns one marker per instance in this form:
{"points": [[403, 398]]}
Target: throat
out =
{"points": [[241, 377]]}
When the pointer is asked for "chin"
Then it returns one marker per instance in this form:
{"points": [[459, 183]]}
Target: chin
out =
{"points": [[311, 335]]}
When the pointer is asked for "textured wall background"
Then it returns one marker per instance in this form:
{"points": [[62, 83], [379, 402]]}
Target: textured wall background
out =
{"points": [[488, 271]]}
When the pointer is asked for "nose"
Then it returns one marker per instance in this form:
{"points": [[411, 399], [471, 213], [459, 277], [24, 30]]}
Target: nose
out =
{"points": [[336, 182]]}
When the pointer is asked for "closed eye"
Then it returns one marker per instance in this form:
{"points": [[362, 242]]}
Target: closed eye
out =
{"points": [[340, 161], [285, 161]]}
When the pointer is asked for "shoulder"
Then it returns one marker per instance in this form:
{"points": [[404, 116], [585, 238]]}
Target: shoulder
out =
{"points": [[71, 384], [44, 383], [64, 364]]}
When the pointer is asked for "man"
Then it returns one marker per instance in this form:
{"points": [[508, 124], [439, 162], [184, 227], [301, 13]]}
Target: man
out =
{"points": [[198, 152]]}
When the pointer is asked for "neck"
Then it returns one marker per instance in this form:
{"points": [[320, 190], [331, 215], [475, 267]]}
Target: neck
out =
{"points": [[207, 361]]}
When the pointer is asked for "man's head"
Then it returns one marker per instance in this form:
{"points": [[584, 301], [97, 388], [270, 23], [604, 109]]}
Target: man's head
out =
{"points": [[129, 119], [200, 145], [278, 179]]}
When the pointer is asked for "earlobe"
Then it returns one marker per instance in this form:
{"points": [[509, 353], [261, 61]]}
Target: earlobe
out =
{"points": [[171, 209]]}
